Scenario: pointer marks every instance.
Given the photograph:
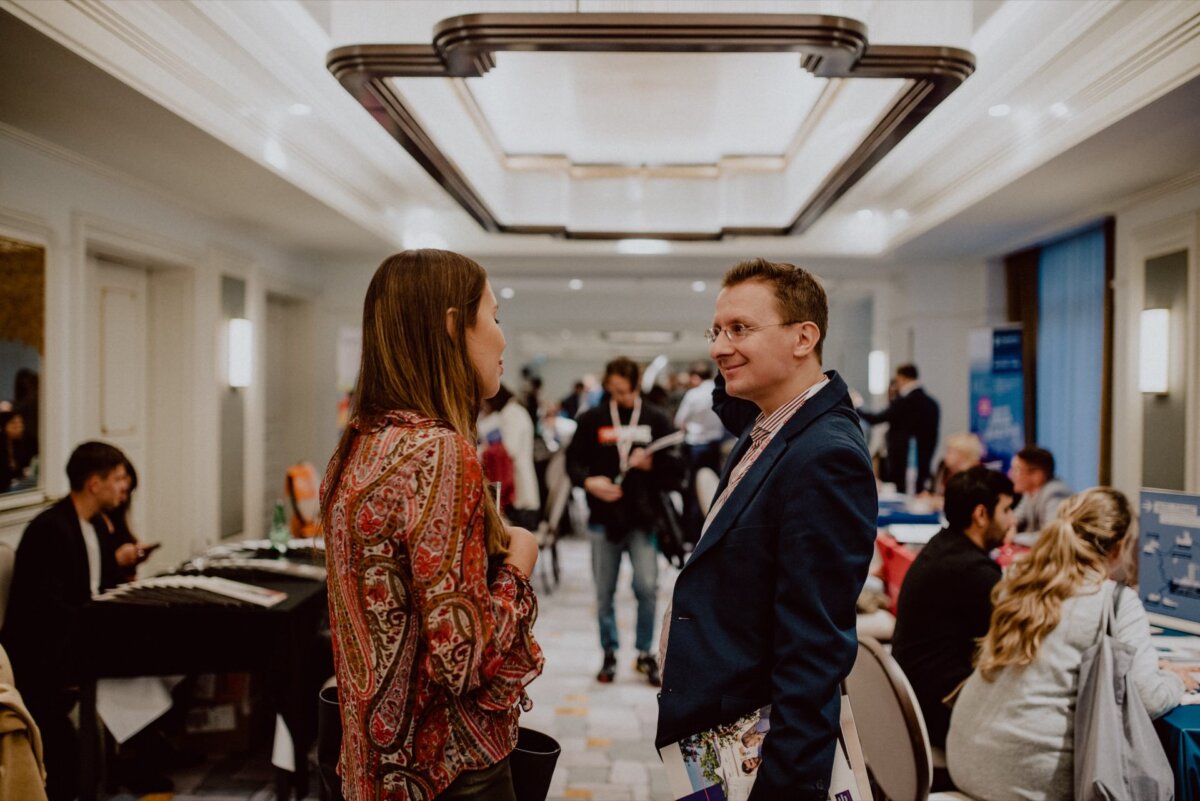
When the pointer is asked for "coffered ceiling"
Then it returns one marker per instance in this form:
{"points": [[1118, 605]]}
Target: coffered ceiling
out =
{"points": [[638, 144]]}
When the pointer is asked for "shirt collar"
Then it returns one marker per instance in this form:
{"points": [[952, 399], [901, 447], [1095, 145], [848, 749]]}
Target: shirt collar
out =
{"points": [[766, 426]]}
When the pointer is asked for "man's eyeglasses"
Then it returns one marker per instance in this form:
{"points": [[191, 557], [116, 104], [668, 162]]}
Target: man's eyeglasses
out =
{"points": [[737, 332]]}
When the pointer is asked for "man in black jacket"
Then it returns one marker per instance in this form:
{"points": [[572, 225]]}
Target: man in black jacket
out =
{"points": [[57, 570], [945, 603], [912, 415], [608, 458]]}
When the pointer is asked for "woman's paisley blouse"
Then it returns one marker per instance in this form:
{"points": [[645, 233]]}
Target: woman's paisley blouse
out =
{"points": [[431, 659]]}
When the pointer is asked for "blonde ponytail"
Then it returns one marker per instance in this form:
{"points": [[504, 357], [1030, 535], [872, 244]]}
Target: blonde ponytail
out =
{"points": [[1074, 548]]}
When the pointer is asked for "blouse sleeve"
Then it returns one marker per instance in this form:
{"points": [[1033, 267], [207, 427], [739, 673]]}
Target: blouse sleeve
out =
{"points": [[478, 637], [1161, 691]]}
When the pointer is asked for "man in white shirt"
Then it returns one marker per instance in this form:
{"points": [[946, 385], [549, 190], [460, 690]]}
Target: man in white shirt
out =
{"points": [[703, 434], [56, 572]]}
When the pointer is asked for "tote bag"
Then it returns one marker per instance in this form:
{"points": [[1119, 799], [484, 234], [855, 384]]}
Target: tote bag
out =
{"points": [[1117, 752]]}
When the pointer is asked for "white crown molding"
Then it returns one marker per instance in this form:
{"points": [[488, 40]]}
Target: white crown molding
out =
{"points": [[1160, 45], [179, 55]]}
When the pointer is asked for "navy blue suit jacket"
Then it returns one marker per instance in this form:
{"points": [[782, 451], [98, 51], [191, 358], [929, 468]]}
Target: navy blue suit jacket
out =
{"points": [[763, 611]]}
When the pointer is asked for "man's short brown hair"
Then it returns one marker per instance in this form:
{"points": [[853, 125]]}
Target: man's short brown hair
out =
{"points": [[799, 295]]}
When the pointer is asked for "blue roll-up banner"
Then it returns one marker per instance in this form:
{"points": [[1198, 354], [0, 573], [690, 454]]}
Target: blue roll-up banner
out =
{"points": [[997, 393]]}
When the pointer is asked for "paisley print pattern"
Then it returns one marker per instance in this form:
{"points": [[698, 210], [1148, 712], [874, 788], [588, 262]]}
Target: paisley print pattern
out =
{"points": [[431, 660]]}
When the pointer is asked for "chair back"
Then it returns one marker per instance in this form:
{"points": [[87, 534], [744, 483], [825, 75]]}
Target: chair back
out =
{"points": [[706, 486], [890, 725], [8, 558], [558, 488]]}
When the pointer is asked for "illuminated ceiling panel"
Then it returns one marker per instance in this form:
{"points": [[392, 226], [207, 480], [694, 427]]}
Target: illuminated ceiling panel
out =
{"points": [[673, 126]]}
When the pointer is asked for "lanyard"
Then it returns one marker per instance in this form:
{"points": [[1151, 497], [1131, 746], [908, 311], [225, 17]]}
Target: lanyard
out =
{"points": [[624, 444]]}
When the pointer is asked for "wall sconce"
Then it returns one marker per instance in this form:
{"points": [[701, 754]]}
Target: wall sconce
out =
{"points": [[1155, 348], [241, 352], [877, 372]]}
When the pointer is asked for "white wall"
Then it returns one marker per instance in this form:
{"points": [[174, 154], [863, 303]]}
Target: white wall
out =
{"points": [[1162, 220], [68, 205], [936, 307]]}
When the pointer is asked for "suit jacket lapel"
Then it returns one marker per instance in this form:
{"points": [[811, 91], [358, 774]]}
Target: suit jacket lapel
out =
{"points": [[748, 487]]}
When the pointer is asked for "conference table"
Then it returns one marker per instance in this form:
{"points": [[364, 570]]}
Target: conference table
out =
{"points": [[282, 642]]}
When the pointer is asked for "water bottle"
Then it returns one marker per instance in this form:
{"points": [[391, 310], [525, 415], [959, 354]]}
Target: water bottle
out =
{"points": [[279, 529]]}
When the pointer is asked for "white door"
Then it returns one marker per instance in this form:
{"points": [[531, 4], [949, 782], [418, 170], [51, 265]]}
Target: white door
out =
{"points": [[116, 396]]}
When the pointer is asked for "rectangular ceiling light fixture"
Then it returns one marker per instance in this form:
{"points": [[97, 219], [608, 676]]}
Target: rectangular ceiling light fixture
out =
{"points": [[463, 143]]}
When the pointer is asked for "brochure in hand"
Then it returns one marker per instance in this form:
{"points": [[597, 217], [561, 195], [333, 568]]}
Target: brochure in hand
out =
{"points": [[722, 763]]}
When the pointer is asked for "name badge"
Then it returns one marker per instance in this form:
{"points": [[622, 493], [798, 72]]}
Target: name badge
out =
{"points": [[637, 435]]}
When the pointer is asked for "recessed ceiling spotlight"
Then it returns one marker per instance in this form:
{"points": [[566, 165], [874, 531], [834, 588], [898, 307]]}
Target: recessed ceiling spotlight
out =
{"points": [[699, 286], [643, 247], [507, 293], [299, 109], [1060, 110], [575, 283], [1000, 110], [864, 214]]}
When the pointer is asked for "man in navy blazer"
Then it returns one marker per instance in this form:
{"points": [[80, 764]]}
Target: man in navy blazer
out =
{"points": [[763, 611]]}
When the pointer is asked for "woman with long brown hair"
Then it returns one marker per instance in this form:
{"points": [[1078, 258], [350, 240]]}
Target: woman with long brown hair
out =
{"points": [[1012, 728], [429, 596]]}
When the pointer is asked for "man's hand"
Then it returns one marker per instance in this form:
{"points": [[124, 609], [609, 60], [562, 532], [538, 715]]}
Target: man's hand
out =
{"points": [[603, 488], [522, 550], [127, 555], [641, 460]]}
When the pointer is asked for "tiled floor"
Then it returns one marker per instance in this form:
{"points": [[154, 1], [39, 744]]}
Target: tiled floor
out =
{"points": [[606, 731]]}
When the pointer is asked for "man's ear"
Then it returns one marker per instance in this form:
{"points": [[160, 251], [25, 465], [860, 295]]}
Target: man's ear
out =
{"points": [[979, 516], [807, 337], [451, 321]]}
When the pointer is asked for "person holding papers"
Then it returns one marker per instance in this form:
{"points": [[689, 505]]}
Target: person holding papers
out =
{"points": [[611, 457], [945, 602], [430, 603], [763, 612]]}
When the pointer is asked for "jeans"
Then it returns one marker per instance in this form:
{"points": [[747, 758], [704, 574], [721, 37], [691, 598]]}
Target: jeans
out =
{"points": [[606, 563], [490, 784]]}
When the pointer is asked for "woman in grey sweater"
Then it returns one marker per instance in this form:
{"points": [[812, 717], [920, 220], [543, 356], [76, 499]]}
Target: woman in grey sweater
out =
{"points": [[1012, 729]]}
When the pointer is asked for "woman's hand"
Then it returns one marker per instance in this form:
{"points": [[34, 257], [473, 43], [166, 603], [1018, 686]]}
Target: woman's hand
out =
{"points": [[1185, 672], [522, 550], [603, 488]]}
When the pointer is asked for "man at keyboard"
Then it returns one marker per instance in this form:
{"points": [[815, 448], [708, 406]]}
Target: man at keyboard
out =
{"points": [[945, 602], [57, 570]]}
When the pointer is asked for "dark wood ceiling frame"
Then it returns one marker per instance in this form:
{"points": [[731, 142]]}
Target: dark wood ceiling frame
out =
{"points": [[829, 47]]}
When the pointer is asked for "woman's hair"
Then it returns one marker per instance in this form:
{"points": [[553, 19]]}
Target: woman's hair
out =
{"points": [[410, 362], [1076, 547]]}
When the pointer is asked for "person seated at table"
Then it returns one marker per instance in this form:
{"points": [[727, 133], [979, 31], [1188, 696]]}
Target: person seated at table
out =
{"points": [[1012, 728], [963, 451], [123, 551], [1032, 474], [58, 567], [945, 601]]}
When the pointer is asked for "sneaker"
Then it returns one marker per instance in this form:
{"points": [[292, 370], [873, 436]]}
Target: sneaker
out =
{"points": [[647, 665], [608, 670]]}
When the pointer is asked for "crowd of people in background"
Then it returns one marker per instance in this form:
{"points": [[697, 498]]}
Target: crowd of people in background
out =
{"points": [[991, 640]]}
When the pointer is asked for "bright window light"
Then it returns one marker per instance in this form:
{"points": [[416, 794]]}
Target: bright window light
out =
{"points": [[241, 352], [643, 247], [1154, 361], [877, 372]]}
